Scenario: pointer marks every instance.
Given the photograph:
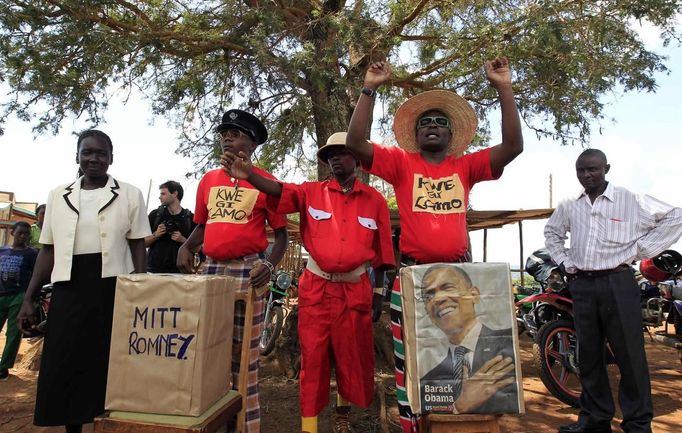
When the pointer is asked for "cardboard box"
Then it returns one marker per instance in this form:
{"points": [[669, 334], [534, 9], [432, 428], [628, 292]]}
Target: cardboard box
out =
{"points": [[459, 320], [171, 344]]}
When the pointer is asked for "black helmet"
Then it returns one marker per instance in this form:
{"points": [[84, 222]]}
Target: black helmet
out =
{"points": [[540, 265]]}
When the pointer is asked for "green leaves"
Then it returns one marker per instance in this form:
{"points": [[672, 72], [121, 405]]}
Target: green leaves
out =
{"points": [[299, 65]]}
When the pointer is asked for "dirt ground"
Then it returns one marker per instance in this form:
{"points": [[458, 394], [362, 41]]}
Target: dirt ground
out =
{"points": [[279, 400]]}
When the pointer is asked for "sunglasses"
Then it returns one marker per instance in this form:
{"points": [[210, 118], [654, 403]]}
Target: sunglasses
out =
{"points": [[234, 133], [426, 121]]}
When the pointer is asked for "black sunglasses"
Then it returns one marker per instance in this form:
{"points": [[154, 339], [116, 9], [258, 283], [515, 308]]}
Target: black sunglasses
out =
{"points": [[426, 121]]}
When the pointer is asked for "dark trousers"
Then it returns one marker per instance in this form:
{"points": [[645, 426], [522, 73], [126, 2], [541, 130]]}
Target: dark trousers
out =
{"points": [[607, 308]]}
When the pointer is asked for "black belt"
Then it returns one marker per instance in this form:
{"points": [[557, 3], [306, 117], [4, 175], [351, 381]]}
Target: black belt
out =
{"points": [[603, 272], [406, 260]]}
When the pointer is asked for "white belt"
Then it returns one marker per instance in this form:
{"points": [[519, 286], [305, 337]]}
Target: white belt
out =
{"points": [[341, 277]]}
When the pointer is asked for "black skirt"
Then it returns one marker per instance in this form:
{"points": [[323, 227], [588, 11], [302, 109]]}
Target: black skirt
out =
{"points": [[73, 371]]}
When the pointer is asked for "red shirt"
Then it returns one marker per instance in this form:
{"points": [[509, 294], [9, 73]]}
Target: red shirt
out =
{"points": [[234, 213], [340, 231], [432, 199]]}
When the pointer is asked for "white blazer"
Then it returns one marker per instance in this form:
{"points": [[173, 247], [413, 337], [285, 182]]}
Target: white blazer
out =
{"points": [[122, 216]]}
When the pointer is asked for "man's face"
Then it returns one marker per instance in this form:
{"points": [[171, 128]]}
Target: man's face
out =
{"points": [[341, 161], [449, 300], [166, 198], [432, 134], [21, 236], [235, 140], [591, 172], [41, 216]]}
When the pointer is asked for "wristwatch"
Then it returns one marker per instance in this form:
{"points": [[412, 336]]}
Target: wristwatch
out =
{"points": [[369, 92]]}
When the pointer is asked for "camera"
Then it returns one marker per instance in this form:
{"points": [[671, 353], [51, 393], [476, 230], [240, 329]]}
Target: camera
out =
{"points": [[171, 225], [164, 217]]}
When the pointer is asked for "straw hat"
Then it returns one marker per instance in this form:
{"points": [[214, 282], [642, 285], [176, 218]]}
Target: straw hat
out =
{"points": [[457, 109], [337, 139]]}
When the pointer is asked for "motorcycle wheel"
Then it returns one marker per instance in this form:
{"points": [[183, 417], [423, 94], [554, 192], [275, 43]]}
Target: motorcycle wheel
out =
{"points": [[271, 330], [555, 353]]}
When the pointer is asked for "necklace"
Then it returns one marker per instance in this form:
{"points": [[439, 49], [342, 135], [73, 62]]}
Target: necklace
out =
{"points": [[347, 188]]}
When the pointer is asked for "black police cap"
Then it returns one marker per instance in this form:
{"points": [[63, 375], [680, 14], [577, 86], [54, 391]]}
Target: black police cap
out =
{"points": [[246, 122]]}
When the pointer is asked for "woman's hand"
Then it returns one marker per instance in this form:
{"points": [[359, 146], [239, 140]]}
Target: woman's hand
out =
{"points": [[25, 319]]}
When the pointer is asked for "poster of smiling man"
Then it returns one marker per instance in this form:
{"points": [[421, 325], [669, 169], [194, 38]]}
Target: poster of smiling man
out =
{"points": [[461, 344]]}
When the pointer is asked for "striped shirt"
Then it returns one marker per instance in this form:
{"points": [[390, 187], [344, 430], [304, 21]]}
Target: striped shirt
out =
{"points": [[619, 227]]}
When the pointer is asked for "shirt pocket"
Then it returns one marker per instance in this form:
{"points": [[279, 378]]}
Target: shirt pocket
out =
{"points": [[369, 228], [368, 223], [321, 224], [619, 231]]}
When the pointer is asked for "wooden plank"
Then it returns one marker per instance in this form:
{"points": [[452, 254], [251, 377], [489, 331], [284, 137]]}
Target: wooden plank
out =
{"points": [[221, 417], [465, 423]]}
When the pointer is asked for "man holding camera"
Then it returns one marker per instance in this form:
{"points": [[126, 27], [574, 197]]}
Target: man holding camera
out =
{"points": [[171, 225]]}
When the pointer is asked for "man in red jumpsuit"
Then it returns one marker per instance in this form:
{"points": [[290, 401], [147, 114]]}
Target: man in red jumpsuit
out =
{"points": [[345, 227]]}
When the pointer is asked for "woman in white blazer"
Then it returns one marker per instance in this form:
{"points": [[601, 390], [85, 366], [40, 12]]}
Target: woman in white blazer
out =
{"points": [[94, 229]]}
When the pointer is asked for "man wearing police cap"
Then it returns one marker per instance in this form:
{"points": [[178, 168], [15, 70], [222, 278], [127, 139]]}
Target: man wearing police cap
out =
{"points": [[345, 227], [231, 216]]}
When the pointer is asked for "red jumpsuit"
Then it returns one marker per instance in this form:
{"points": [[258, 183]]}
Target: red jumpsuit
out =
{"points": [[341, 232]]}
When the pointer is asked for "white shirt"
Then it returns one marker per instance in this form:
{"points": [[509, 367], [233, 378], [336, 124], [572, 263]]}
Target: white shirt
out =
{"points": [[122, 215], [87, 228], [470, 342], [619, 227]]}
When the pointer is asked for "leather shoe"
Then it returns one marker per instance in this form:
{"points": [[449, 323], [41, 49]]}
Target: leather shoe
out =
{"points": [[576, 427]]}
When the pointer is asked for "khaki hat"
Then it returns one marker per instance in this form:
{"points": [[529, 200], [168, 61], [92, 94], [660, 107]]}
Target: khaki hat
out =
{"points": [[337, 139], [457, 109]]}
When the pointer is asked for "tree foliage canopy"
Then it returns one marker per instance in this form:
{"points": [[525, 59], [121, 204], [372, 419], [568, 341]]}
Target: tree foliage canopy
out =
{"points": [[299, 64]]}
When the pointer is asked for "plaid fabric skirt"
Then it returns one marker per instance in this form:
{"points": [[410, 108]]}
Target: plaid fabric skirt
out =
{"points": [[239, 269]]}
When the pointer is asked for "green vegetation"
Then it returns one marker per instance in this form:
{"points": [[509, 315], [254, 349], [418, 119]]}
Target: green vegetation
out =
{"points": [[299, 64]]}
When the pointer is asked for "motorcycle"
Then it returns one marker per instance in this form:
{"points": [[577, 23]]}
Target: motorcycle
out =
{"points": [[274, 311], [549, 322], [664, 271], [549, 303]]}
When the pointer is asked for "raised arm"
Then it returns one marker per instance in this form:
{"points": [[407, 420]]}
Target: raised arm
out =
{"points": [[499, 75], [240, 167], [356, 140]]}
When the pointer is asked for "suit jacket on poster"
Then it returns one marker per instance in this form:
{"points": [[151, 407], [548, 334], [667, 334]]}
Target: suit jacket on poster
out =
{"points": [[490, 344]]}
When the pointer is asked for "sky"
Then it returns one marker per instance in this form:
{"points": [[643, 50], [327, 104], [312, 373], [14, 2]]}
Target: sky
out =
{"points": [[642, 145]]}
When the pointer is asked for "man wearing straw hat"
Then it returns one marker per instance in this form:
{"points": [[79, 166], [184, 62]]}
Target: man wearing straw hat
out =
{"points": [[345, 227], [431, 175]]}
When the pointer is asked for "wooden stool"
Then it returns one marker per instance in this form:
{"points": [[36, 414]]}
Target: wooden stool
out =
{"points": [[217, 416], [209, 422], [437, 423]]}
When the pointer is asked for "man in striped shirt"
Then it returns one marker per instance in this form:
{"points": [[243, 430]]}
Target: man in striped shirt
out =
{"points": [[610, 228]]}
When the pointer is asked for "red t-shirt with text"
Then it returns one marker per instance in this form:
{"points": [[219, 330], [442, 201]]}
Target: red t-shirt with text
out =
{"points": [[234, 213], [432, 199]]}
